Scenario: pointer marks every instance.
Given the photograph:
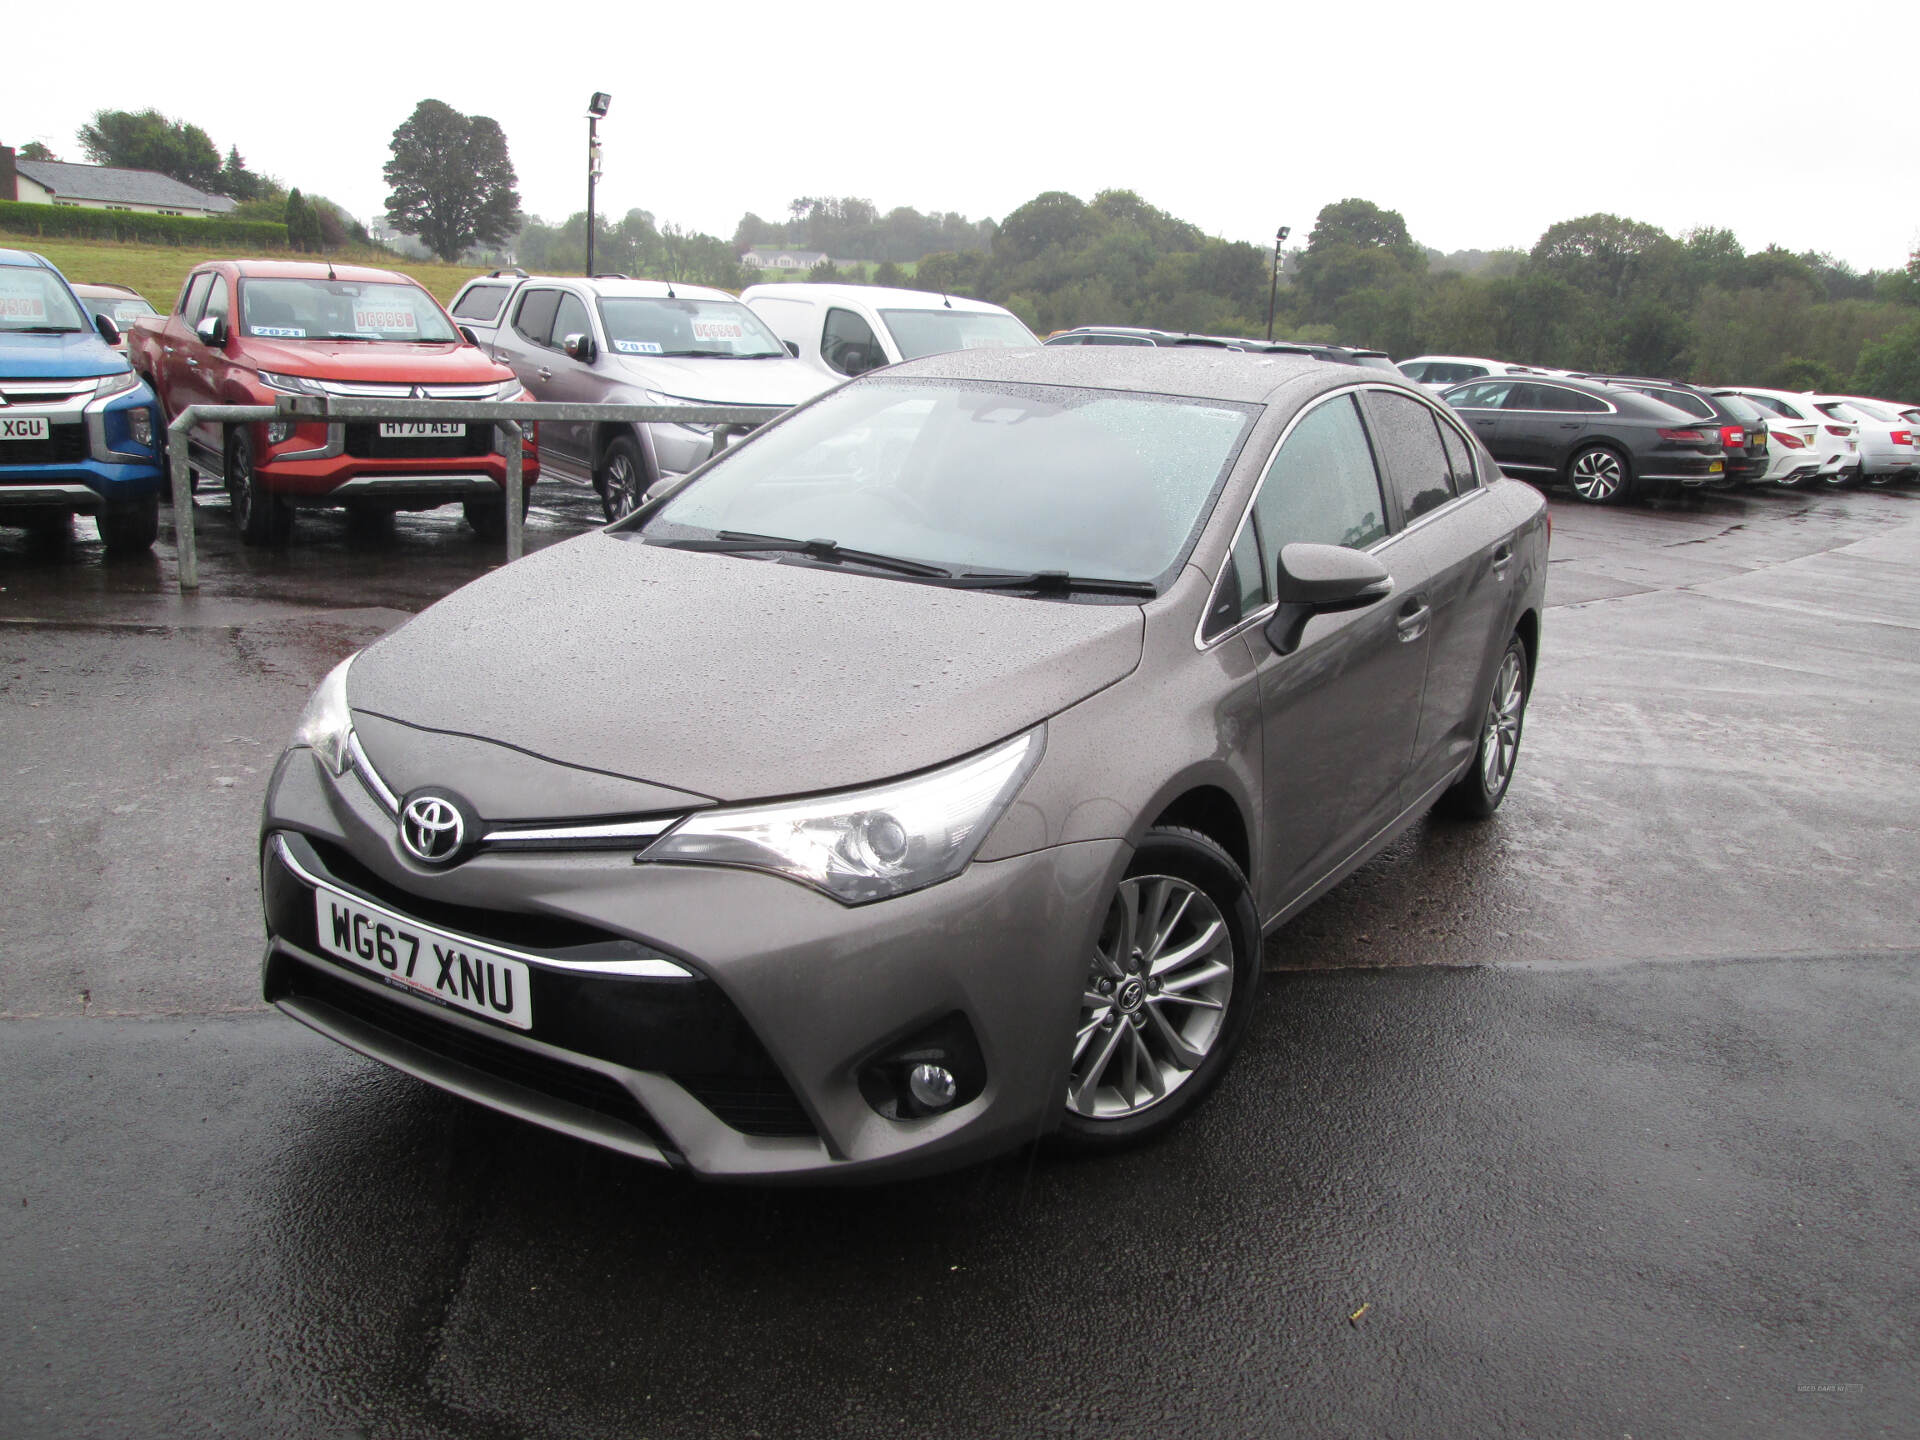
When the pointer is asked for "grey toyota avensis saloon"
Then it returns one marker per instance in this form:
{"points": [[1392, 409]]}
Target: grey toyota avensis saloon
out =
{"points": [[942, 755]]}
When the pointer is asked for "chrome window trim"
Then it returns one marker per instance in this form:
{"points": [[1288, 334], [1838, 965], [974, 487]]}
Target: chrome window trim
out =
{"points": [[1612, 409], [1200, 640], [659, 968]]}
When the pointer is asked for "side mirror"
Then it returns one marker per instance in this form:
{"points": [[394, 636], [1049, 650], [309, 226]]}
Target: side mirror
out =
{"points": [[793, 348], [109, 331], [468, 336], [578, 347], [1312, 580], [213, 330]]}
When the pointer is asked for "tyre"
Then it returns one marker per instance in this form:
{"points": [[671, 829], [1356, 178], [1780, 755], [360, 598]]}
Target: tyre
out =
{"points": [[129, 527], [1478, 793], [263, 518], [1168, 996], [622, 477], [488, 518], [1600, 475]]}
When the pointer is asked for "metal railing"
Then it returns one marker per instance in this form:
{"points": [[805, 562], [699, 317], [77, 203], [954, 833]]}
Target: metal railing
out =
{"points": [[507, 415]]}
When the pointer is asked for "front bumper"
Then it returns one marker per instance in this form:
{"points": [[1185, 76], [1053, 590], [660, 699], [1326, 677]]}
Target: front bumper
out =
{"points": [[789, 994], [90, 447], [321, 463]]}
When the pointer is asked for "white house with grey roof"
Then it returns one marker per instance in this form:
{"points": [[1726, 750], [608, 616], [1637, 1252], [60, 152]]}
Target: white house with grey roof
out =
{"points": [[102, 187]]}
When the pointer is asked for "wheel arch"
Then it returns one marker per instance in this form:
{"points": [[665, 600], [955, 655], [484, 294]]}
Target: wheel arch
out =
{"points": [[1212, 810]]}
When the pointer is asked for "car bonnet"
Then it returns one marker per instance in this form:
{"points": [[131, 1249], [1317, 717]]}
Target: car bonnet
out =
{"points": [[736, 678]]}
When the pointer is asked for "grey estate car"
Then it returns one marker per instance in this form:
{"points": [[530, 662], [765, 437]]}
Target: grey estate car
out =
{"points": [[614, 340], [970, 726]]}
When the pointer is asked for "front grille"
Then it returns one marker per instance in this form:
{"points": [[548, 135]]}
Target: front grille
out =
{"points": [[751, 1104], [364, 441], [588, 1089], [543, 934], [64, 444]]}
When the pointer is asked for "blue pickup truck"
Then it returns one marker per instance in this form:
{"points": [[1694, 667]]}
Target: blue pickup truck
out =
{"points": [[80, 433]]}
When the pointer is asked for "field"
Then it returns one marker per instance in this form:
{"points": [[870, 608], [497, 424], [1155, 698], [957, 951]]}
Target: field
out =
{"points": [[157, 271]]}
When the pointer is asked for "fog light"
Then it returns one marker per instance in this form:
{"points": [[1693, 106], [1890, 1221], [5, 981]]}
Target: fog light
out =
{"points": [[279, 431], [140, 425], [932, 1086]]}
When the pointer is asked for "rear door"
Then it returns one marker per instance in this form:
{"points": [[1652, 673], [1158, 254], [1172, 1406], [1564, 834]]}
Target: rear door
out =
{"points": [[1451, 531], [1339, 712]]}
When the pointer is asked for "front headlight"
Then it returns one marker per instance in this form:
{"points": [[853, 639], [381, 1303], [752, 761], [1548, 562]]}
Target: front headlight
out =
{"points": [[866, 844], [654, 397], [291, 384], [326, 725], [115, 384]]}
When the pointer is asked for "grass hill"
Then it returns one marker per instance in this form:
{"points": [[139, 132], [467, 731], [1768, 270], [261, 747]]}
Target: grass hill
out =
{"points": [[157, 271]]}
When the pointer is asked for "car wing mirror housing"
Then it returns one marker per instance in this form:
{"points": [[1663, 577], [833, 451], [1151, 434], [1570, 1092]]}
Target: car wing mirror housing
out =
{"points": [[109, 331], [793, 348], [1312, 580], [466, 334], [212, 330], [578, 347]]}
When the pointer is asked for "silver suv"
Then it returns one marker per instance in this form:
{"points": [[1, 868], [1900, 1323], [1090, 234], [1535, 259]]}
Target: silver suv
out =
{"points": [[612, 340]]}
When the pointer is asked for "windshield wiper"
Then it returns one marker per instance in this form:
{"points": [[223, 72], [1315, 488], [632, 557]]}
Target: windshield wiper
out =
{"points": [[1054, 582], [742, 542], [48, 330], [717, 355]]}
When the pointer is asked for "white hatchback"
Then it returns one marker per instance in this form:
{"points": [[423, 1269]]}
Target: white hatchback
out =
{"points": [[847, 330]]}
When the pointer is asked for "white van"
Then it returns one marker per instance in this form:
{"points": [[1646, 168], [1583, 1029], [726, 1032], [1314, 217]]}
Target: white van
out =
{"points": [[850, 329]]}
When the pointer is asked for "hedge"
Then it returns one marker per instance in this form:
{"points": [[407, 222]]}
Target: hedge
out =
{"points": [[19, 217]]}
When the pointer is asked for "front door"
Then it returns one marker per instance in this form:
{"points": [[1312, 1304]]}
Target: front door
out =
{"points": [[1340, 711]]}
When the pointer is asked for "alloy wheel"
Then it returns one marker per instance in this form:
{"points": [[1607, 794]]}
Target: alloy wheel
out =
{"points": [[1598, 475], [623, 485], [240, 480], [1500, 741], [1155, 999]]}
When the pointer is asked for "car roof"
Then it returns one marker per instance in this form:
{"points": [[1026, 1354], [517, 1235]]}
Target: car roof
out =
{"points": [[25, 259], [613, 286], [313, 270], [878, 296], [1188, 371], [103, 287]]}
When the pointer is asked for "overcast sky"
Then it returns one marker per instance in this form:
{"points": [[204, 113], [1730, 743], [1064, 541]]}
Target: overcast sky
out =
{"points": [[1482, 123]]}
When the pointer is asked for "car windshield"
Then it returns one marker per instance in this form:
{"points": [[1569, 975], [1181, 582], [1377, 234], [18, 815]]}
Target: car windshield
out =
{"points": [[934, 332], [1376, 362], [976, 478], [686, 327], [1872, 412], [123, 310], [34, 299], [1745, 411], [277, 309]]}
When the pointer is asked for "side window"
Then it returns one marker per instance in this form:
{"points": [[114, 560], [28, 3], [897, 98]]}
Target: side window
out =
{"points": [[1685, 400], [570, 319], [1416, 372], [195, 297], [848, 345], [1459, 460], [1526, 397], [480, 302], [533, 317], [1242, 587], [1487, 395], [1322, 487], [1416, 460], [217, 299]]}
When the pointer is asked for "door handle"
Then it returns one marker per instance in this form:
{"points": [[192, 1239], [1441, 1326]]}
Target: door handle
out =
{"points": [[1484, 424], [544, 373], [1502, 561], [1414, 615], [193, 363]]}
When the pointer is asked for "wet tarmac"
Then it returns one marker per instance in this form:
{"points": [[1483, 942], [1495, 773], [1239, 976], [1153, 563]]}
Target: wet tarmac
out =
{"points": [[1606, 1110]]}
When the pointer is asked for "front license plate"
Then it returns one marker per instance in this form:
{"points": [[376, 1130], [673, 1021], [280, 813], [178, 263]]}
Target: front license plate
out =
{"points": [[402, 952], [23, 427], [1715, 468], [421, 430]]}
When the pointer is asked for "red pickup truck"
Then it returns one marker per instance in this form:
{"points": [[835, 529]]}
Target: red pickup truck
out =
{"points": [[245, 332]]}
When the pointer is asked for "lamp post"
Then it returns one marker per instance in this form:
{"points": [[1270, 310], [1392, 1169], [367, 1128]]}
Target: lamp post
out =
{"points": [[1273, 291], [596, 107]]}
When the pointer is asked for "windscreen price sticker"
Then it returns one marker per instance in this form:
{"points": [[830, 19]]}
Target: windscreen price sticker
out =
{"points": [[22, 305], [637, 347], [718, 330], [379, 315]]}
